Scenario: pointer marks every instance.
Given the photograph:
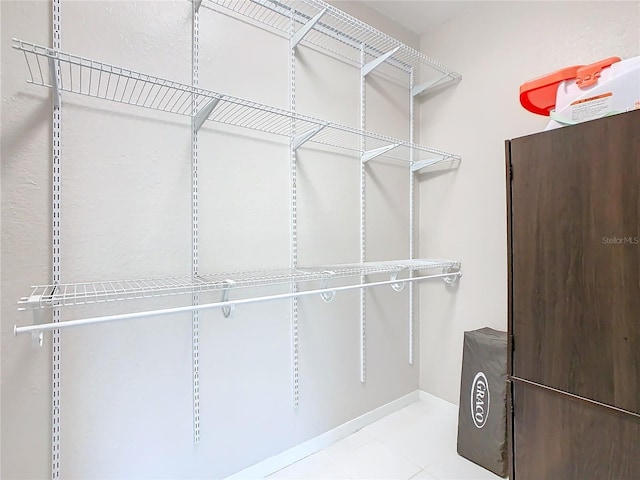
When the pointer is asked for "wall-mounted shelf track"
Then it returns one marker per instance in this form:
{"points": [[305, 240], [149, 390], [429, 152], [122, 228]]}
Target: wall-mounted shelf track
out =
{"points": [[108, 82], [331, 30]]}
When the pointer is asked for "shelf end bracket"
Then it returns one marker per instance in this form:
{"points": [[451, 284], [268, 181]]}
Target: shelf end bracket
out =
{"points": [[376, 152], [300, 34], [367, 68], [419, 165], [204, 112], [438, 82]]}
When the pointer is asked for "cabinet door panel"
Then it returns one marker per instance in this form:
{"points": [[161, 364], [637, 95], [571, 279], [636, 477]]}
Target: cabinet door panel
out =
{"points": [[575, 228], [560, 438]]}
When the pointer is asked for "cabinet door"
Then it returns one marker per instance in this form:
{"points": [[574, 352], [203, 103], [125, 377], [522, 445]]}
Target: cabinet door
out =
{"points": [[561, 438], [575, 259]]}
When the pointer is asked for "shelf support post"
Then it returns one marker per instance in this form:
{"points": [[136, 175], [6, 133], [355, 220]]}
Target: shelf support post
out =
{"points": [[373, 64], [56, 364], [293, 206], [196, 123], [363, 204], [412, 180], [300, 34]]}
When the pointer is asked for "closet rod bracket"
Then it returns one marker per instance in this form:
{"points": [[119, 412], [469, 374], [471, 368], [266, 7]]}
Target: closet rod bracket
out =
{"points": [[327, 295], [455, 272], [398, 286], [227, 310]]}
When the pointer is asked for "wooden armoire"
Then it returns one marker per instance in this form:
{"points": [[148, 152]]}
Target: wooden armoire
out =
{"points": [[573, 221]]}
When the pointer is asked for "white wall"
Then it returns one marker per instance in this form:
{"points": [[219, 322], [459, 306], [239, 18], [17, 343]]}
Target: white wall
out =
{"points": [[126, 388], [496, 46]]}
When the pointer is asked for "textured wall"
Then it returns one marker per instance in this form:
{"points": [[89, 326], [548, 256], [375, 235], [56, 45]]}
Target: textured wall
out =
{"points": [[126, 388], [496, 47]]}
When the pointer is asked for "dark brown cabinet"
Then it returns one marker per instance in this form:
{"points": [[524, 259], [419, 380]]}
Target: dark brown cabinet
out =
{"points": [[573, 211]]}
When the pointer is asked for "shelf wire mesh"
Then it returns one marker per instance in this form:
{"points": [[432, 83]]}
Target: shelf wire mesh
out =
{"points": [[335, 30], [69, 294], [96, 79]]}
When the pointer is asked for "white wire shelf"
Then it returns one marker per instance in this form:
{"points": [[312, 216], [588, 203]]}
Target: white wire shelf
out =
{"points": [[334, 29], [70, 294], [92, 78]]}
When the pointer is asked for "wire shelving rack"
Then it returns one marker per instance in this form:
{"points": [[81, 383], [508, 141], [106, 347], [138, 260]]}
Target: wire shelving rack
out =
{"points": [[334, 30], [92, 78], [70, 294]]}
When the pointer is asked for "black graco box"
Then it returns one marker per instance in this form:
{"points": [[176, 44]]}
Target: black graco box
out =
{"points": [[482, 418]]}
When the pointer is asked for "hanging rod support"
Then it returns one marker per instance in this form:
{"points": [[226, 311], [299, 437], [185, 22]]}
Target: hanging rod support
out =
{"points": [[227, 309], [367, 68], [37, 337], [300, 34], [397, 286], [306, 136], [453, 273], [54, 78], [204, 113], [189, 308], [376, 152], [430, 85], [327, 296]]}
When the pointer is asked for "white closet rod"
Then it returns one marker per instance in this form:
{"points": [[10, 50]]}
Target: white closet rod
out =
{"points": [[229, 304]]}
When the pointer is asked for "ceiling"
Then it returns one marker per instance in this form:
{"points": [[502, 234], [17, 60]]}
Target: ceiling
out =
{"points": [[419, 16]]}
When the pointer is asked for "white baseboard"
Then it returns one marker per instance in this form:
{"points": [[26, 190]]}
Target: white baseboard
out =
{"points": [[427, 397], [292, 455]]}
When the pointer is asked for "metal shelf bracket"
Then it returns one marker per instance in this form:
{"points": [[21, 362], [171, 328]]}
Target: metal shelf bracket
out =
{"points": [[417, 166], [367, 68], [327, 296], [299, 140], [299, 35], [227, 310], [54, 78], [204, 113], [376, 152], [438, 82]]}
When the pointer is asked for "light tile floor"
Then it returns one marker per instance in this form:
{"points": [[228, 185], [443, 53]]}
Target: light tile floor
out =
{"points": [[417, 442]]}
